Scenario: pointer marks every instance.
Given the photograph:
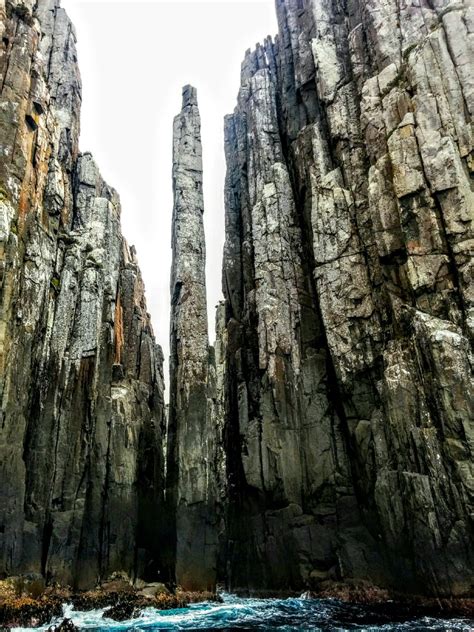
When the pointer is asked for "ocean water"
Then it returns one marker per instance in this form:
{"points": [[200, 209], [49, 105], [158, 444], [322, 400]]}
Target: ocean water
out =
{"points": [[284, 615]]}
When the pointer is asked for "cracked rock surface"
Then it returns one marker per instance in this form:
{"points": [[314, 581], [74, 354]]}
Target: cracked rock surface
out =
{"points": [[192, 437], [81, 387], [328, 435], [348, 282]]}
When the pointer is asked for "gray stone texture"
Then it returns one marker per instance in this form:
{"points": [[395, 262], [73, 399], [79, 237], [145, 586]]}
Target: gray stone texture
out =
{"points": [[81, 382], [348, 282], [192, 438], [328, 434]]}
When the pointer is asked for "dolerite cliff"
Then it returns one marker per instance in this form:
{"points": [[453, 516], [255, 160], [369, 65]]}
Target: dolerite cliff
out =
{"points": [[192, 438], [81, 377], [327, 435], [347, 276]]}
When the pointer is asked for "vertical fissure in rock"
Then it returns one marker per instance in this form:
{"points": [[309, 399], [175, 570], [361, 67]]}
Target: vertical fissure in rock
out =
{"points": [[46, 541]]}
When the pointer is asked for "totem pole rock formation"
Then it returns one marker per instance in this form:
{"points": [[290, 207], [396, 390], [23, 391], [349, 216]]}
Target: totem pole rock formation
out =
{"points": [[190, 488]]}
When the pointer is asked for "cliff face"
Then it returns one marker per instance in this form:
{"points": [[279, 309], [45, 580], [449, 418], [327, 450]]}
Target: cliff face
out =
{"points": [[331, 421], [191, 483], [348, 435], [81, 376]]}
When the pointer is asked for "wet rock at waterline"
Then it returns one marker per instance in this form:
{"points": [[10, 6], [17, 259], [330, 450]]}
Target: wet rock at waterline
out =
{"points": [[234, 613]]}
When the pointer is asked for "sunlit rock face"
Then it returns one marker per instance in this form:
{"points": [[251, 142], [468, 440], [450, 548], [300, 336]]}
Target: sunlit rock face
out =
{"points": [[347, 277], [192, 436], [81, 376]]}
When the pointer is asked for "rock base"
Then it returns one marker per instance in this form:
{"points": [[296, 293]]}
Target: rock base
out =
{"points": [[18, 608]]}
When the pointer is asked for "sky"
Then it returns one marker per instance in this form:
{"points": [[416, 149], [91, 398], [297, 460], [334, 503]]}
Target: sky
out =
{"points": [[134, 59]]}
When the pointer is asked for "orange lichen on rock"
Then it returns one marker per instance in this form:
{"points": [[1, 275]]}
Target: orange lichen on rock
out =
{"points": [[118, 331]]}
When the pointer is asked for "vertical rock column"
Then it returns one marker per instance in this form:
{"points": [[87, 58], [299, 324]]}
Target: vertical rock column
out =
{"points": [[188, 486]]}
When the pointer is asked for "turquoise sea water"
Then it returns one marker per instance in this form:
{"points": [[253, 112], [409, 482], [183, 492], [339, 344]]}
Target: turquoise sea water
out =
{"points": [[284, 615]]}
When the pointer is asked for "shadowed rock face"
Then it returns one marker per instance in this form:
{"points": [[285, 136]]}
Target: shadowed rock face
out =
{"points": [[348, 434], [81, 376], [191, 480], [331, 421]]}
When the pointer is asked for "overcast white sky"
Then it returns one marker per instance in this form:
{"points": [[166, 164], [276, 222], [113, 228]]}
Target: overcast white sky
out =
{"points": [[134, 59]]}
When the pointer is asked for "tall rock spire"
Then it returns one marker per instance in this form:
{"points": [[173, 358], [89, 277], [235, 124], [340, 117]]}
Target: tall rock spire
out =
{"points": [[188, 436]]}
